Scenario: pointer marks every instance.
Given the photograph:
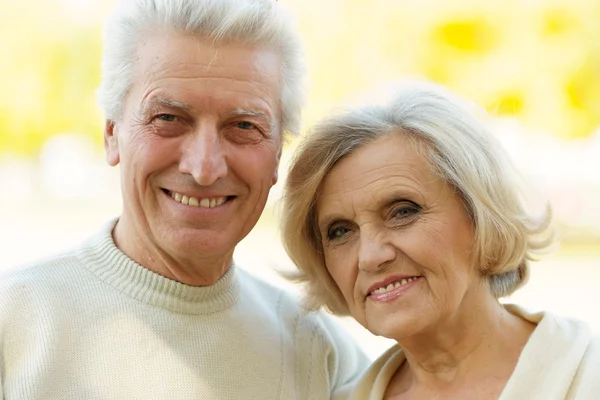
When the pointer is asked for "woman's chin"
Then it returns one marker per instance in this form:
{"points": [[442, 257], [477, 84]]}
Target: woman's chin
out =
{"points": [[395, 326]]}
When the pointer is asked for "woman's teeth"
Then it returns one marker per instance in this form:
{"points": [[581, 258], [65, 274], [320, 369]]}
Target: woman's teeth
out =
{"points": [[394, 285]]}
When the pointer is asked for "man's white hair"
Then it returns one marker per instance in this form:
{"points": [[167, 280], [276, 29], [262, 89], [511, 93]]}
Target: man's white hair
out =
{"points": [[243, 22]]}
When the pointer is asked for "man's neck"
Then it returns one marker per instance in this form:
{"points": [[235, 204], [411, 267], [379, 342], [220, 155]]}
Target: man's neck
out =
{"points": [[192, 269]]}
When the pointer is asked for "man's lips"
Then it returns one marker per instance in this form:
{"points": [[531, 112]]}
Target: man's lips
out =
{"points": [[204, 201]]}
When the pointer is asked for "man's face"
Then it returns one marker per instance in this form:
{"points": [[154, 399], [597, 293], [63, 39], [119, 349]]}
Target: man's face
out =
{"points": [[198, 144]]}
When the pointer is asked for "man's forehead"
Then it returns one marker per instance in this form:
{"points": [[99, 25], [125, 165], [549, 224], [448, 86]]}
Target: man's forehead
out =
{"points": [[173, 47], [185, 73]]}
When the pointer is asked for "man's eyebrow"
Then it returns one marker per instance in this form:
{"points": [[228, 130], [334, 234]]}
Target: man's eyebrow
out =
{"points": [[252, 113], [240, 112], [168, 103]]}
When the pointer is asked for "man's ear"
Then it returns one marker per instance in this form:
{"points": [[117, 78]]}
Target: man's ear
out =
{"points": [[276, 171], [111, 144]]}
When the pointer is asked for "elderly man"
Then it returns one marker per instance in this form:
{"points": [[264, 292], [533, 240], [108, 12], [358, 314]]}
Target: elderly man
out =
{"points": [[197, 96]]}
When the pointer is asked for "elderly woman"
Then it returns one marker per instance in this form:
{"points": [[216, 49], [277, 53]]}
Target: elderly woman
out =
{"points": [[407, 216]]}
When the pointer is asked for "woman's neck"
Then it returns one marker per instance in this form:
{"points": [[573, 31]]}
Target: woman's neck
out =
{"points": [[479, 343]]}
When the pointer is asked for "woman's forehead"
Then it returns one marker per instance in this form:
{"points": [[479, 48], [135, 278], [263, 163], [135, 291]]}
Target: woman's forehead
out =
{"points": [[378, 172], [392, 156]]}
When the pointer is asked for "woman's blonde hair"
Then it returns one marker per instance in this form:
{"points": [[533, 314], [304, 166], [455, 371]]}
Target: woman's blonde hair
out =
{"points": [[459, 148]]}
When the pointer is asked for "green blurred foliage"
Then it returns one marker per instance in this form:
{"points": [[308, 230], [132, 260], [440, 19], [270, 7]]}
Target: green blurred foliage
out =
{"points": [[538, 61]]}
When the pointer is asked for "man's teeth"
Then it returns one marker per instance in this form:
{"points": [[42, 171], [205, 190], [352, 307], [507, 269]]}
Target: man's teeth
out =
{"points": [[394, 285], [194, 202]]}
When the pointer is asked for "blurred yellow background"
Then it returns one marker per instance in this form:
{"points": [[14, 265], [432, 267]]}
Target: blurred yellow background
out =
{"points": [[533, 64]]}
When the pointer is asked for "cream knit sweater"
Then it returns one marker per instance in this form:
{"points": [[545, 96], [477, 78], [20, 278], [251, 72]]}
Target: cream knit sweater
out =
{"points": [[561, 361], [93, 324]]}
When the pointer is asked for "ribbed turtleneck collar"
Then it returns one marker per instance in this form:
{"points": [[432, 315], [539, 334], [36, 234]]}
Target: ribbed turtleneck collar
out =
{"points": [[101, 256]]}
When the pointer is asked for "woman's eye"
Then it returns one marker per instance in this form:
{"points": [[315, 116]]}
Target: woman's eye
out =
{"points": [[404, 212], [167, 117], [245, 125], [337, 232]]}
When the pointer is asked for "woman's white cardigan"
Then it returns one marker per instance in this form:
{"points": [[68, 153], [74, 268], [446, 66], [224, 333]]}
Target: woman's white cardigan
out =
{"points": [[560, 361]]}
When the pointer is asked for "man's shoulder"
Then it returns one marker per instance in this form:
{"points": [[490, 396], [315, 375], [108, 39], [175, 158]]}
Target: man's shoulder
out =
{"points": [[56, 270], [288, 307], [33, 276], [318, 336], [264, 288], [271, 294], [277, 294]]}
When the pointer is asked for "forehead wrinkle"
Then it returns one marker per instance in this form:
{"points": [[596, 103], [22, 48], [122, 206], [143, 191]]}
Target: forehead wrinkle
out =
{"points": [[256, 82], [410, 178], [261, 87], [378, 189], [175, 69], [148, 102], [159, 55]]}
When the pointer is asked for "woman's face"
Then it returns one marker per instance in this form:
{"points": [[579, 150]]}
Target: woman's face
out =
{"points": [[397, 240]]}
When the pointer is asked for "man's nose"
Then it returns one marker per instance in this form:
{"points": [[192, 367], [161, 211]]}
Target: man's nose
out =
{"points": [[203, 156]]}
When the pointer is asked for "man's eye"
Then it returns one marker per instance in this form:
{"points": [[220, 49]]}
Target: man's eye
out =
{"points": [[167, 117], [245, 125]]}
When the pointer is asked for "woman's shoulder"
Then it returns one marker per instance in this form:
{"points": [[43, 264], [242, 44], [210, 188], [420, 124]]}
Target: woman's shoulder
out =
{"points": [[586, 384], [551, 325], [562, 357]]}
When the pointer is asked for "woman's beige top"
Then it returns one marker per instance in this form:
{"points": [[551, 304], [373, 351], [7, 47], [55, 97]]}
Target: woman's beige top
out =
{"points": [[561, 360]]}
